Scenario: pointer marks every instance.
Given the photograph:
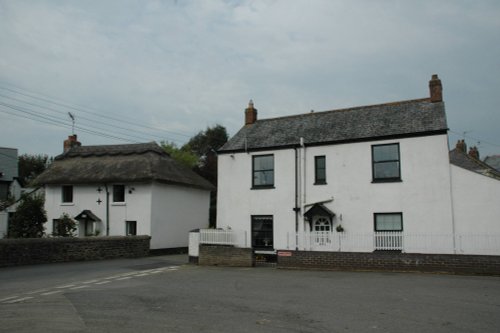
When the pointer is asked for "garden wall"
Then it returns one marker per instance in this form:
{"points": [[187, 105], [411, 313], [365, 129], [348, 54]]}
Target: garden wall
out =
{"points": [[391, 261], [46, 250], [219, 255]]}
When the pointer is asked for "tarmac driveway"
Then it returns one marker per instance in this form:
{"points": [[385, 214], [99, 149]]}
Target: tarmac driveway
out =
{"points": [[161, 294]]}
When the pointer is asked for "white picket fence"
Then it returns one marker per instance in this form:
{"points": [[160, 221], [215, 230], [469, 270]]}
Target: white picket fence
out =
{"points": [[487, 244], [223, 237], [481, 244]]}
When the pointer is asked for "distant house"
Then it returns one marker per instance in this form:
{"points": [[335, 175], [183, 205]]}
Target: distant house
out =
{"points": [[10, 189], [359, 179], [130, 189], [493, 161]]}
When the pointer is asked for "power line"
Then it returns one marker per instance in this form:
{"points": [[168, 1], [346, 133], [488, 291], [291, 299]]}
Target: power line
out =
{"points": [[464, 134], [86, 110], [61, 124], [92, 120]]}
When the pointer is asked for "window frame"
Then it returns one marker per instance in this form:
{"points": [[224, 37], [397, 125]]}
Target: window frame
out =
{"points": [[378, 179], [122, 194], [253, 231], [127, 228], [375, 215], [67, 194], [261, 186], [317, 180]]}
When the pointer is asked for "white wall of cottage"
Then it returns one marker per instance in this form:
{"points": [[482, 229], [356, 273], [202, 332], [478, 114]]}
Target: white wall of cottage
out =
{"points": [[176, 210], [423, 195], [165, 212]]}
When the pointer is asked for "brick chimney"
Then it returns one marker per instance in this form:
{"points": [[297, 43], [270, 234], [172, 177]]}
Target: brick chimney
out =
{"points": [[436, 89], [474, 152], [250, 114], [71, 142], [461, 146]]}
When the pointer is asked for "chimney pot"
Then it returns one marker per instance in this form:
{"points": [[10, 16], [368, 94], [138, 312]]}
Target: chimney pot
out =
{"points": [[250, 114], [436, 89], [462, 146], [474, 153], [71, 142]]}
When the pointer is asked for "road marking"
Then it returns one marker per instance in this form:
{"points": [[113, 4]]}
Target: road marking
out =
{"points": [[7, 298], [124, 278], [66, 286], [18, 300], [52, 292], [90, 281], [79, 287], [37, 291], [103, 282], [143, 274]]}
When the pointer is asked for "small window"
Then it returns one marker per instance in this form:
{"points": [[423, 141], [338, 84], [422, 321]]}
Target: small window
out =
{"points": [[131, 228], [118, 193], [386, 163], [55, 226], [262, 232], [388, 222], [319, 170], [67, 194], [263, 171]]}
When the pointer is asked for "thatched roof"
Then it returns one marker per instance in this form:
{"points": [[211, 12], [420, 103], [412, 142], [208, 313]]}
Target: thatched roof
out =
{"points": [[127, 163]]}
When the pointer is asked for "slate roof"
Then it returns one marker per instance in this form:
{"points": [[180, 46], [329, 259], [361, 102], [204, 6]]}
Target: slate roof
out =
{"points": [[141, 162], [463, 160], [493, 161], [365, 123]]}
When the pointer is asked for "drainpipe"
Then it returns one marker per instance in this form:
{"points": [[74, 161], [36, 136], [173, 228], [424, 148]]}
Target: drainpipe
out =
{"points": [[107, 209], [296, 207], [303, 181]]}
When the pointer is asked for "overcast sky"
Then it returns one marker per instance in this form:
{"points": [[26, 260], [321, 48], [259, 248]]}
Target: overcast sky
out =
{"points": [[137, 71]]}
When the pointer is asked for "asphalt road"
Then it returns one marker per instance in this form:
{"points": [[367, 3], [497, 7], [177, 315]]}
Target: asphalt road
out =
{"points": [[162, 294]]}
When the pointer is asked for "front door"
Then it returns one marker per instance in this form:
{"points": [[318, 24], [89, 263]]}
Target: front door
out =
{"points": [[322, 230]]}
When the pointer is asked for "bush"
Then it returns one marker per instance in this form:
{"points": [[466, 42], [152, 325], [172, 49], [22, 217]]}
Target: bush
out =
{"points": [[28, 220], [65, 226]]}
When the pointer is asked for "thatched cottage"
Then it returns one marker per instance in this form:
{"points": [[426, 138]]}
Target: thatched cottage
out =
{"points": [[130, 189]]}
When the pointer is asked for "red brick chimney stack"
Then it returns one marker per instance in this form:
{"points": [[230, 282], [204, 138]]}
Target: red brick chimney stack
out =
{"points": [[436, 89], [71, 142], [462, 146], [250, 114], [474, 152]]}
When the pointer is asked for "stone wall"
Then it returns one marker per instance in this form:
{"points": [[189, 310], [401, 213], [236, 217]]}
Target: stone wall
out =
{"points": [[217, 255], [390, 261], [46, 250]]}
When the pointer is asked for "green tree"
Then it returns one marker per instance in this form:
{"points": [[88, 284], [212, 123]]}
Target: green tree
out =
{"points": [[28, 220], [65, 226], [182, 156], [205, 145], [30, 166]]}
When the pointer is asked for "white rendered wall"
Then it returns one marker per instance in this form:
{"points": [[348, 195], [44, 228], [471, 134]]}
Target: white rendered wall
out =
{"points": [[423, 195], [136, 207], [177, 210], [476, 202]]}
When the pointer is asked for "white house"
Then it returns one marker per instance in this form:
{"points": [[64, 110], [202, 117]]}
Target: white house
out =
{"points": [[375, 173], [131, 189]]}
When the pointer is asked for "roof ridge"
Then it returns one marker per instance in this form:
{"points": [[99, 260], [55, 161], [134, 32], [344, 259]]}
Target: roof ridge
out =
{"points": [[478, 162], [355, 108]]}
